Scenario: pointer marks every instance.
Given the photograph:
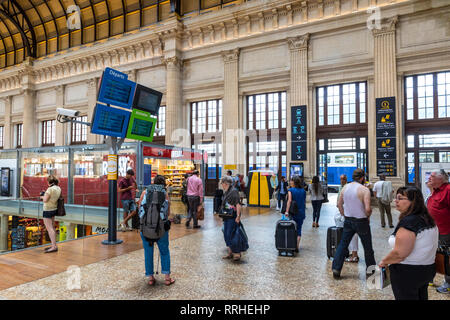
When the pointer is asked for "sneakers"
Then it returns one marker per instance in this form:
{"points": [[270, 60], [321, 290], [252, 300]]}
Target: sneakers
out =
{"points": [[445, 288], [197, 227], [122, 228]]}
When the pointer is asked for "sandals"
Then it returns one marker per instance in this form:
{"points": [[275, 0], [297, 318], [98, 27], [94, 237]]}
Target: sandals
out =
{"points": [[169, 281], [228, 256], [352, 259], [48, 250], [236, 257], [152, 281]]}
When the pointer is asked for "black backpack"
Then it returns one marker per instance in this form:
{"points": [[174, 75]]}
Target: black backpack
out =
{"points": [[152, 226], [293, 209]]}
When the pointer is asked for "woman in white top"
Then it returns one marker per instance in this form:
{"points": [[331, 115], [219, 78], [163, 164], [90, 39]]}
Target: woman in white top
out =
{"points": [[414, 241], [317, 197], [50, 199]]}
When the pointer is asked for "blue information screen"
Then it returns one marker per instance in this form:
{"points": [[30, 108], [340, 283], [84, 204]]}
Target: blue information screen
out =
{"points": [[110, 121], [116, 90]]}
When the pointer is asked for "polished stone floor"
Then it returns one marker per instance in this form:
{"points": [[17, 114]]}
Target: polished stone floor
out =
{"points": [[200, 272]]}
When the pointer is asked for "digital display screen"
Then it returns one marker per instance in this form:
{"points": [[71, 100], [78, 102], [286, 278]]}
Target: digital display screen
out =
{"points": [[110, 121], [141, 128], [147, 99], [117, 91]]}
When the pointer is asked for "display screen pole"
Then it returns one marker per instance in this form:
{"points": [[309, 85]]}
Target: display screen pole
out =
{"points": [[112, 207]]}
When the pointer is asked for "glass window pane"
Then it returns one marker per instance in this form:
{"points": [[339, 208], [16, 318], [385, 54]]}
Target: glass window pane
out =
{"points": [[410, 141]]}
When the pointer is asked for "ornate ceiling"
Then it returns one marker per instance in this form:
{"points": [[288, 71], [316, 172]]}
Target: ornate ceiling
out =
{"points": [[36, 28]]}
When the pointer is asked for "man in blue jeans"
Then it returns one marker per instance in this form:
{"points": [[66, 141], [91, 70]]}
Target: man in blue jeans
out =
{"points": [[354, 204]]}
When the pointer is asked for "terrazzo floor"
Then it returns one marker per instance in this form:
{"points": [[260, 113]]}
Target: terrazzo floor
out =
{"points": [[201, 274]]}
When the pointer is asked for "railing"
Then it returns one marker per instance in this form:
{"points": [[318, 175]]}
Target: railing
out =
{"points": [[26, 228]]}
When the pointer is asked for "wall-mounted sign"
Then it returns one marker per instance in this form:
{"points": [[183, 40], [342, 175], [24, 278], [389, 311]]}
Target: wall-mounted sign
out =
{"points": [[141, 126], [110, 121], [386, 136], [116, 89], [298, 133]]}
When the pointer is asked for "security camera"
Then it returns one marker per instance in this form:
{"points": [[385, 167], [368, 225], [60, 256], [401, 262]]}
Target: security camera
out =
{"points": [[68, 112]]}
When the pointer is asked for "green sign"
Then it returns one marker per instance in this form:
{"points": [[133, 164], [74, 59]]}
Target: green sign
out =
{"points": [[141, 126]]}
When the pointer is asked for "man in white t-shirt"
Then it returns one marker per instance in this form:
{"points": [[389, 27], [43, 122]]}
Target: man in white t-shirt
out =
{"points": [[383, 205]]}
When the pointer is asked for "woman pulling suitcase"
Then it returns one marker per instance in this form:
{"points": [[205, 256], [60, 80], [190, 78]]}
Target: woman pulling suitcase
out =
{"points": [[298, 194]]}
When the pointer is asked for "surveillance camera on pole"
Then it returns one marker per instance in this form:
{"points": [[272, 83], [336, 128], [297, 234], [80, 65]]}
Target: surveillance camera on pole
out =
{"points": [[68, 115]]}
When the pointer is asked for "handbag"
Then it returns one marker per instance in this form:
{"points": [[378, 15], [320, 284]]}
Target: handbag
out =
{"points": [[61, 210], [442, 260], [239, 240], [226, 213], [200, 212]]}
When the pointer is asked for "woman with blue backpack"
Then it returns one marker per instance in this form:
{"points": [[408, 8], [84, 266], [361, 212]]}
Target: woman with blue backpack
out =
{"points": [[154, 211], [296, 197]]}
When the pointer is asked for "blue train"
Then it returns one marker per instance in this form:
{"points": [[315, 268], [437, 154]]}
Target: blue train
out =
{"points": [[338, 164]]}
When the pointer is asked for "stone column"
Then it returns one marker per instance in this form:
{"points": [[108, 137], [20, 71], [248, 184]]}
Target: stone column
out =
{"points": [[298, 95], [92, 100], [60, 128], [3, 232], [385, 85], [233, 139], [174, 105], [7, 129], [29, 119]]}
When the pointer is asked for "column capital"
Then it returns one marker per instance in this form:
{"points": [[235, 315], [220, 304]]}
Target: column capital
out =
{"points": [[386, 27], [60, 89], [299, 43], [231, 55], [172, 62]]}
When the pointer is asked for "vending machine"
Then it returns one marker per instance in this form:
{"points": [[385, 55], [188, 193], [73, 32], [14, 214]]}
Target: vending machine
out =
{"points": [[5, 182]]}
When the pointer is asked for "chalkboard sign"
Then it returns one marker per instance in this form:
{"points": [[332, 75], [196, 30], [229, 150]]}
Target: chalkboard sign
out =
{"points": [[386, 136], [298, 133]]}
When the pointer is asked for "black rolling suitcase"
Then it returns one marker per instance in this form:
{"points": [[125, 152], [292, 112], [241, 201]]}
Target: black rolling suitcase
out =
{"points": [[334, 236], [286, 237]]}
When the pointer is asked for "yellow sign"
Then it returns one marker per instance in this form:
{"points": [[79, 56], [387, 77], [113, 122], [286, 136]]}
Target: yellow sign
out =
{"points": [[230, 167], [112, 167], [386, 119], [385, 105]]}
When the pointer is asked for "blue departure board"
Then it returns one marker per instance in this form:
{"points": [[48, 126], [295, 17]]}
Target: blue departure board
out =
{"points": [[110, 121], [116, 89]]}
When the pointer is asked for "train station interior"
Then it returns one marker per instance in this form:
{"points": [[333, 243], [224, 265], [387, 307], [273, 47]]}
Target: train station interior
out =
{"points": [[264, 89]]}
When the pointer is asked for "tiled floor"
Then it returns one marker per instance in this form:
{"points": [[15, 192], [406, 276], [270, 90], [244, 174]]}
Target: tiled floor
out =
{"points": [[200, 272]]}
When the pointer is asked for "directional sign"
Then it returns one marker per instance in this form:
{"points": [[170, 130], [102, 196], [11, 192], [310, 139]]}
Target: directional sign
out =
{"points": [[386, 136], [298, 133], [387, 167]]}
